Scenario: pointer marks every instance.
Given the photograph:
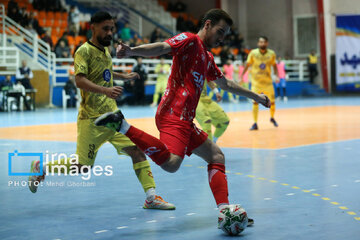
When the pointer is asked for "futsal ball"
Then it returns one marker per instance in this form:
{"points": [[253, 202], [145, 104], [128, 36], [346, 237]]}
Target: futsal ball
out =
{"points": [[233, 219]]}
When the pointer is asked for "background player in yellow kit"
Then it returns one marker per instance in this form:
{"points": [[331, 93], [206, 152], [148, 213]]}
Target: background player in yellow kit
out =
{"points": [[163, 70], [94, 76], [209, 113], [261, 60]]}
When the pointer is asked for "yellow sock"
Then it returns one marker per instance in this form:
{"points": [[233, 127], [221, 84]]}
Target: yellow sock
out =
{"points": [[272, 110], [61, 166], [255, 112], [144, 174]]}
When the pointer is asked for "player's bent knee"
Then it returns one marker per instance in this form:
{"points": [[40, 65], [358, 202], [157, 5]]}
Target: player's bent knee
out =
{"points": [[173, 164], [218, 157]]}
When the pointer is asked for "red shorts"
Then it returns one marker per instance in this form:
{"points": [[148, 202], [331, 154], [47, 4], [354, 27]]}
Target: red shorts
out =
{"points": [[180, 137]]}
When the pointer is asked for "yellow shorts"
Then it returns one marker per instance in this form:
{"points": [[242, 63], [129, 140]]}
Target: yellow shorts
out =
{"points": [[210, 110], [90, 138], [268, 90], [160, 86]]}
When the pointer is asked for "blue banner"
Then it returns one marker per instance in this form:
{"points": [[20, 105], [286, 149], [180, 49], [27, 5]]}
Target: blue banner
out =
{"points": [[348, 53]]}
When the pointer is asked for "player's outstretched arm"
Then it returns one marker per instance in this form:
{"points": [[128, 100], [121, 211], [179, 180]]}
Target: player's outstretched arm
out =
{"points": [[126, 76], [145, 50], [232, 87], [85, 84]]}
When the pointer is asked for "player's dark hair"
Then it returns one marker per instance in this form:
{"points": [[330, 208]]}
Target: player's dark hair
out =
{"points": [[215, 15], [264, 37], [100, 16]]}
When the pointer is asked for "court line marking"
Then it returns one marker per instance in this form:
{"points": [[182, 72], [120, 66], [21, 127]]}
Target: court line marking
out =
{"points": [[303, 190], [352, 213], [152, 221], [100, 231], [122, 227]]}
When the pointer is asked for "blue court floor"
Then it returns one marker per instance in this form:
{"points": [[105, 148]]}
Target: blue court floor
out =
{"points": [[305, 192]]}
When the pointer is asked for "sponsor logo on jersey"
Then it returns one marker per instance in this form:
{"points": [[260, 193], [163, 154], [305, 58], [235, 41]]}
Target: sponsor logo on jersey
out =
{"points": [[151, 150], [178, 38], [199, 79], [107, 75]]}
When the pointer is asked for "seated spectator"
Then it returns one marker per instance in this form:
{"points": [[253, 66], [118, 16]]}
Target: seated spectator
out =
{"points": [[156, 35], [125, 33], [70, 89], [24, 75], [137, 40], [180, 23], [13, 11], [24, 17], [35, 24], [19, 94], [46, 38], [5, 85], [64, 38], [62, 51]]}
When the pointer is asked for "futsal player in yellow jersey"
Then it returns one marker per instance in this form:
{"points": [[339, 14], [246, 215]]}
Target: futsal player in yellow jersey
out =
{"points": [[163, 71], [209, 113], [94, 76], [261, 60]]}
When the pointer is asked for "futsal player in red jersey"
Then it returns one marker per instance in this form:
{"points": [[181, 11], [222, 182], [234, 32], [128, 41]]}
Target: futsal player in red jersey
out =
{"points": [[192, 64]]}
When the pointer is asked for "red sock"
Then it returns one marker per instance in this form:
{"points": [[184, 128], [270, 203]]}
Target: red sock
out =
{"points": [[218, 182], [150, 145]]}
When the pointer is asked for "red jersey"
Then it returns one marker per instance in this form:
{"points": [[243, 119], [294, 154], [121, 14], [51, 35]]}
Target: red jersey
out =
{"points": [[192, 64]]}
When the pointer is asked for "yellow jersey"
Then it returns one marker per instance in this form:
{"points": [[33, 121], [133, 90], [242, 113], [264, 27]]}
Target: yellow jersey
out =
{"points": [[261, 66], [313, 59], [96, 65]]}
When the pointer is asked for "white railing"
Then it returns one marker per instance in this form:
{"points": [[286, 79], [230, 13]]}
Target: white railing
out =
{"points": [[28, 43], [296, 70], [3, 36], [9, 59], [136, 21]]}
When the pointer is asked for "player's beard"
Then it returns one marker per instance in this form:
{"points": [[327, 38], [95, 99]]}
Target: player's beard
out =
{"points": [[104, 41], [263, 47]]}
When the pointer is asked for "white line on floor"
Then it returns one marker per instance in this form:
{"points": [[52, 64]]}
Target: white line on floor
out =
{"points": [[122, 227], [152, 221], [101, 231]]}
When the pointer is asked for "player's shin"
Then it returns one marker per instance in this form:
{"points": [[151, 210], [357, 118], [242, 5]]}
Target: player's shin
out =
{"points": [[218, 183], [272, 110], [255, 112], [144, 174]]}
